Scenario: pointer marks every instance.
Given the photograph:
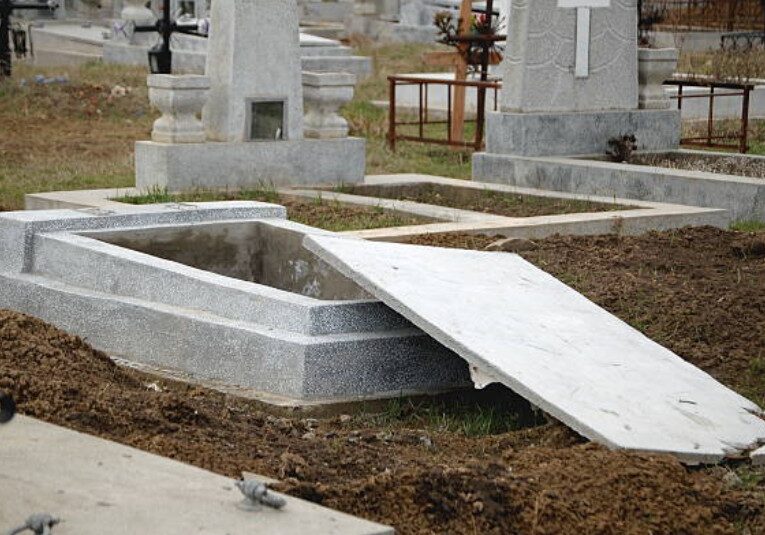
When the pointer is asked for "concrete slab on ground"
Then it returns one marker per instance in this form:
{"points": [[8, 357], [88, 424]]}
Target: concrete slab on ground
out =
{"points": [[517, 325], [94, 485]]}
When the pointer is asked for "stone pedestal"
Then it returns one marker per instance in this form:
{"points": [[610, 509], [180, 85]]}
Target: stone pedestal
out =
{"points": [[215, 165], [655, 65], [180, 99], [324, 94]]}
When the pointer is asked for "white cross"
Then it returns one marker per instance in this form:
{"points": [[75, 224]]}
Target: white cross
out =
{"points": [[583, 7]]}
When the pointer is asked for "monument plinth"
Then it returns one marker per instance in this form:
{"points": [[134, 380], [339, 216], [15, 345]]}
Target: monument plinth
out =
{"points": [[253, 117], [571, 82]]}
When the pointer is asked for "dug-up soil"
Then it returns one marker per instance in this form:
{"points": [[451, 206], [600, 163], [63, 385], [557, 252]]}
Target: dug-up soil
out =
{"points": [[700, 292]]}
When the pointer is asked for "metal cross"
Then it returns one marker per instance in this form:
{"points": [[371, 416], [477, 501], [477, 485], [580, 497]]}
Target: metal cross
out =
{"points": [[583, 12], [7, 7]]}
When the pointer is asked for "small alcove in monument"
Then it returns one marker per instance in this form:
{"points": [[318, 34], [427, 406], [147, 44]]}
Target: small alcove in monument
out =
{"points": [[256, 252], [266, 119]]}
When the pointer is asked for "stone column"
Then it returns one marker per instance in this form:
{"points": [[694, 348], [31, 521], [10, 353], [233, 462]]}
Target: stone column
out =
{"points": [[324, 95], [180, 98]]}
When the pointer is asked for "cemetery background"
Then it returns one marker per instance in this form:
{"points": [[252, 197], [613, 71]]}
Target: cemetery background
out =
{"points": [[409, 453]]}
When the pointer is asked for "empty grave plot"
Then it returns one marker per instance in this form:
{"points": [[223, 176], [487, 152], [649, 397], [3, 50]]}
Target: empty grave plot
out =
{"points": [[732, 164], [320, 213], [486, 201], [427, 466]]}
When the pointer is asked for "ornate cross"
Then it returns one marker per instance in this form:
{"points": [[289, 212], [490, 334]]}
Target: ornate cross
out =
{"points": [[583, 7]]}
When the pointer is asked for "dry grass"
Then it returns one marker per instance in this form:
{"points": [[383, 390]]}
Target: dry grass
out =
{"points": [[71, 136], [738, 66]]}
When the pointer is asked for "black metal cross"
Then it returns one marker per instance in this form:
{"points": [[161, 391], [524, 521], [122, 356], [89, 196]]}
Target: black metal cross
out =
{"points": [[7, 7], [160, 56]]}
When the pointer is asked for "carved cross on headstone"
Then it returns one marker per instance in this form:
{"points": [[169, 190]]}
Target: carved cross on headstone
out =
{"points": [[583, 12]]}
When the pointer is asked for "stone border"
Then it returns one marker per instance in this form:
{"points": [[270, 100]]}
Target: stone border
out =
{"points": [[744, 197], [648, 215]]}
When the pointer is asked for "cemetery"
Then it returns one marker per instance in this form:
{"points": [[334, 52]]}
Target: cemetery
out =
{"points": [[242, 290]]}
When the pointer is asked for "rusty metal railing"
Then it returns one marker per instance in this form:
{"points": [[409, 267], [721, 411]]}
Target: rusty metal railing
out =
{"points": [[717, 89], [424, 111], [708, 15]]}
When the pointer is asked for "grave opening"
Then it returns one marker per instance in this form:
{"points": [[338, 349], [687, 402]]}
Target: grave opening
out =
{"points": [[250, 251]]}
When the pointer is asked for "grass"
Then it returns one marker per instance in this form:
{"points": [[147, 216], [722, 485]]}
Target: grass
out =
{"points": [[748, 226], [72, 136], [491, 412], [318, 212]]}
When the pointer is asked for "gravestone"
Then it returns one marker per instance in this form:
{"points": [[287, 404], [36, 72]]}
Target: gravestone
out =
{"points": [[253, 117], [253, 63], [571, 82]]}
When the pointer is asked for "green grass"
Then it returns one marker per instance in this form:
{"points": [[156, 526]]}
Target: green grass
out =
{"points": [[748, 226], [492, 411]]}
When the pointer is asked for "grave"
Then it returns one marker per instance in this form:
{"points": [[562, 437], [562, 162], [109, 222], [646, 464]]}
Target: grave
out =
{"points": [[252, 129], [585, 52], [223, 292]]}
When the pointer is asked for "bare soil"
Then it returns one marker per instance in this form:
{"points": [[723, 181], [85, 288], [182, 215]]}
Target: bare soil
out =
{"points": [[486, 201], [726, 165], [698, 291]]}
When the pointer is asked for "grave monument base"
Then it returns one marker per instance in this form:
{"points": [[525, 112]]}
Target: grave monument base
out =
{"points": [[578, 133], [185, 166]]}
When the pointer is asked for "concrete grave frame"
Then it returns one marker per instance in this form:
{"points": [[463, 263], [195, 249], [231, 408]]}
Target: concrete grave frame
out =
{"points": [[646, 215], [743, 197], [288, 335]]}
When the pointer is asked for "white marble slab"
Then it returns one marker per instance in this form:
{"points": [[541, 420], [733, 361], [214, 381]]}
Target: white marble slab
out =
{"points": [[519, 326]]}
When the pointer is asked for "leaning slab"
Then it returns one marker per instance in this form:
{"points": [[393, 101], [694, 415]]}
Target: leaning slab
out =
{"points": [[517, 325], [90, 483]]}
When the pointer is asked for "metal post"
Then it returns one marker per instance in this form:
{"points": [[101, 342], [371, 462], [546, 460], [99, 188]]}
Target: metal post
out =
{"points": [[481, 100], [711, 118], [392, 114], [5, 44], [449, 112], [744, 140]]}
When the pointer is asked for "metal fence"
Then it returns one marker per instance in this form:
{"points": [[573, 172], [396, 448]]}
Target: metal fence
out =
{"points": [[736, 138], [707, 15], [425, 116]]}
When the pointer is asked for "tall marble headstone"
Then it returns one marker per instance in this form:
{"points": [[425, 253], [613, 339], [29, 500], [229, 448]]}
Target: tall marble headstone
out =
{"points": [[571, 55], [571, 82], [253, 60]]}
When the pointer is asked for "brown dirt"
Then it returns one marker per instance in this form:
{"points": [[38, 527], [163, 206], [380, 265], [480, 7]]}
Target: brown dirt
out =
{"points": [[486, 201], [700, 291]]}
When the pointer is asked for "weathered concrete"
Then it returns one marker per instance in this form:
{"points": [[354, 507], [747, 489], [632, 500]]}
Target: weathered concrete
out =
{"points": [[220, 293], [559, 133], [743, 197], [90, 483], [519, 326], [179, 167]]}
